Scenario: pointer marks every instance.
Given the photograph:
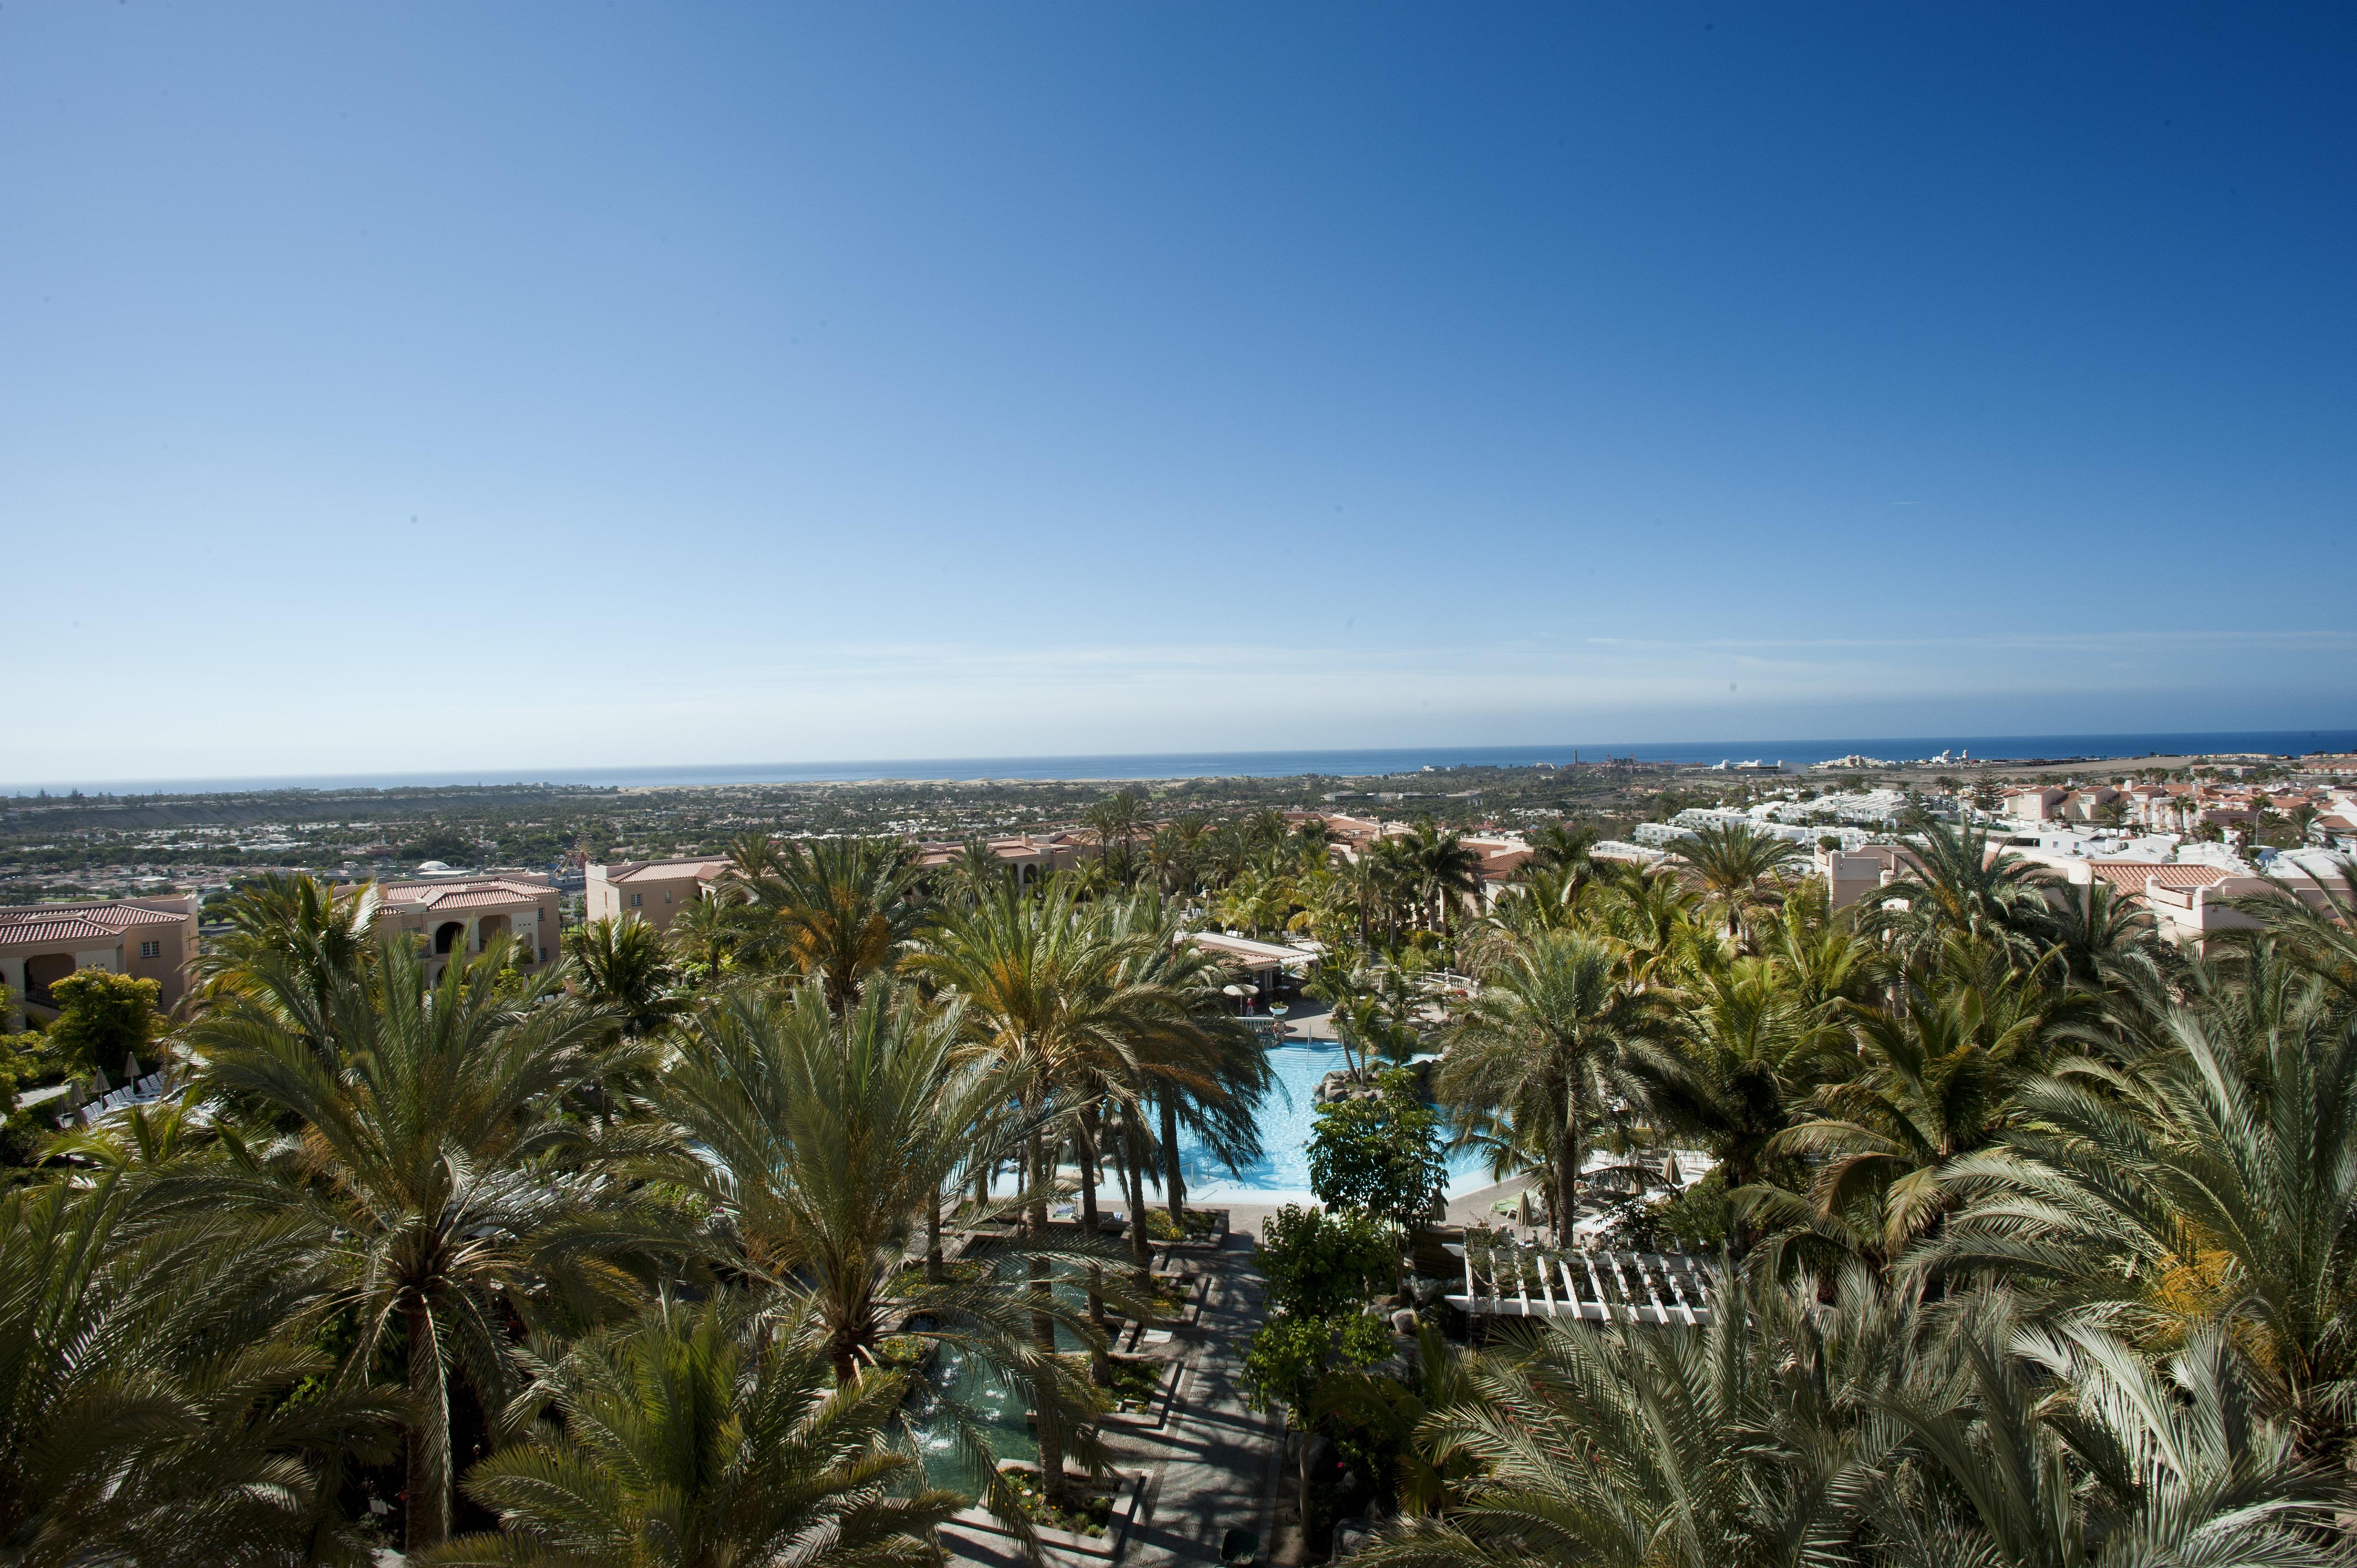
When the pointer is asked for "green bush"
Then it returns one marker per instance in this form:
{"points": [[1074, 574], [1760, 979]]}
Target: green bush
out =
{"points": [[1319, 1263], [1380, 1155], [101, 1018]]}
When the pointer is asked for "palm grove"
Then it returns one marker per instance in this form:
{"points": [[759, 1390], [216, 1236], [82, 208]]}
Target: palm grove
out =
{"points": [[2033, 1231]]}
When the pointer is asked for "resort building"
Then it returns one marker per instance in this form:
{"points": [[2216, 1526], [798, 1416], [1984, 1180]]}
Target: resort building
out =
{"points": [[153, 938], [462, 915], [1851, 874], [1263, 966], [654, 891], [1032, 857]]}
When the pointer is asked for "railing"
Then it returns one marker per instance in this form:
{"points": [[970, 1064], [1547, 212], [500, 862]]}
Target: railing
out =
{"points": [[1512, 1279]]}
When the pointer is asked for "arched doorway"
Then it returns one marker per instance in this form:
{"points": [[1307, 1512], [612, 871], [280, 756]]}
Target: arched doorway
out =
{"points": [[489, 926], [450, 935], [41, 970]]}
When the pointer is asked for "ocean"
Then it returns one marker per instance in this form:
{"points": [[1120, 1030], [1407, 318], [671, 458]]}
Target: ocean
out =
{"points": [[1792, 754]]}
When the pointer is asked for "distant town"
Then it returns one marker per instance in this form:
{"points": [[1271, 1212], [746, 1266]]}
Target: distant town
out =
{"points": [[124, 882]]}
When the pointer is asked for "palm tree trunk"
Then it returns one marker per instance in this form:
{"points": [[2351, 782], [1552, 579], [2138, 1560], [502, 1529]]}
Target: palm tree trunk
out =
{"points": [[1174, 1181], [1043, 1325], [933, 1239], [1566, 1172], [428, 1518], [1085, 1142], [1141, 1251]]}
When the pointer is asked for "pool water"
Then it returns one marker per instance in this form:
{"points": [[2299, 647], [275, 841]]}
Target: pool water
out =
{"points": [[1282, 1173], [1000, 1409]]}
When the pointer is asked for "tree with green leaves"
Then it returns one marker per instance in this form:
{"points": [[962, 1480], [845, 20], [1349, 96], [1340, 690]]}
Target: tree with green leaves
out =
{"points": [[815, 1142], [702, 1436], [1318, 1264], [428, 1156], [1119, 820], [1052, 992], [104, 1019], [1558, 1035], [1728, 860], [1955, 881], [1290, 1358], [624, 967], [2212, 1181], [1813, 1423], [158, 1403], [836, 911], [1379, 1152]]}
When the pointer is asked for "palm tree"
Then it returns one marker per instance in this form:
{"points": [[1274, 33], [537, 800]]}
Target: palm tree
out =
{"points": [[1956, 882], [1178, 853], [2095, 929], [2046, 1449], [1048, 991], [2215, 1183], [1939, 1082], [1203, 1067], [704, 1437], [1553, 1038], [1117, 820], [1808, 1426], [1819, 955], [444, 1191], [1564, 847], [1446, 871], [973, 873], [1749, 1441], [1729, 860], [623, 966], [1650, 920], [145, 1369], [705, 935], [291, 940], [1752, 1051], [837, 910], [2320, 939], [1395, 880], [1255, 903]]}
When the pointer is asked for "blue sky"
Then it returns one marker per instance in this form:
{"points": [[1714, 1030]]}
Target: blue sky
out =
{"points": [[519, 386]]}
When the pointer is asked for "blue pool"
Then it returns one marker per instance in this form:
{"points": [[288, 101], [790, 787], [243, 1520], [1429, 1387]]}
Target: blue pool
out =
{"points": [[1282, 1174]]}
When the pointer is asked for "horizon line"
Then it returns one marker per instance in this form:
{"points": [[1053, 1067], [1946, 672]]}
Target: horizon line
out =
{"points": [[876, 770]]}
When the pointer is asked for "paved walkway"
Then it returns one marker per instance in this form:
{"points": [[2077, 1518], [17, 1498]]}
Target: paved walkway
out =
{"points": [[1213, 1467]]}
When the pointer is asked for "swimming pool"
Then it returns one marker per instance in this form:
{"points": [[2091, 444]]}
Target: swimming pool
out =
{"points": [[1282, 1173]]}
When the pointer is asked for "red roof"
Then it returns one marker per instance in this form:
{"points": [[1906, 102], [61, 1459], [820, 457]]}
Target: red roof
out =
{"points": [[103, 920], [57, 929], [461, 893], [2130, 875]]}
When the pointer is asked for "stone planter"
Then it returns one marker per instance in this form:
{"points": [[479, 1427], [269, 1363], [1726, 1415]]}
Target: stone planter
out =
{"points": [[1130, 1334], [1102, 1548], [1156, 1413], [1217, 1240]]}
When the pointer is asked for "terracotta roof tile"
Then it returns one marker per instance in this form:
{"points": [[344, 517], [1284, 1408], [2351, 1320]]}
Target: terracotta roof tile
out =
{"points": [[56, 929], [112, 919], [2130, 875]]}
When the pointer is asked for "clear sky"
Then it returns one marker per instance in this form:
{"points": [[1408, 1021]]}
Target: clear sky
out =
{"points": [[512, 386]]}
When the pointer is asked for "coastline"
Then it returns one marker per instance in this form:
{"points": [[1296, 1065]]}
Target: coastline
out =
{"points": [[2021, 752]]}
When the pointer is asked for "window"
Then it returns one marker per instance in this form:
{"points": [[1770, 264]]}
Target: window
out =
{"points": [[666, 895], [150, 949], [636, 900], [544, 955]]}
